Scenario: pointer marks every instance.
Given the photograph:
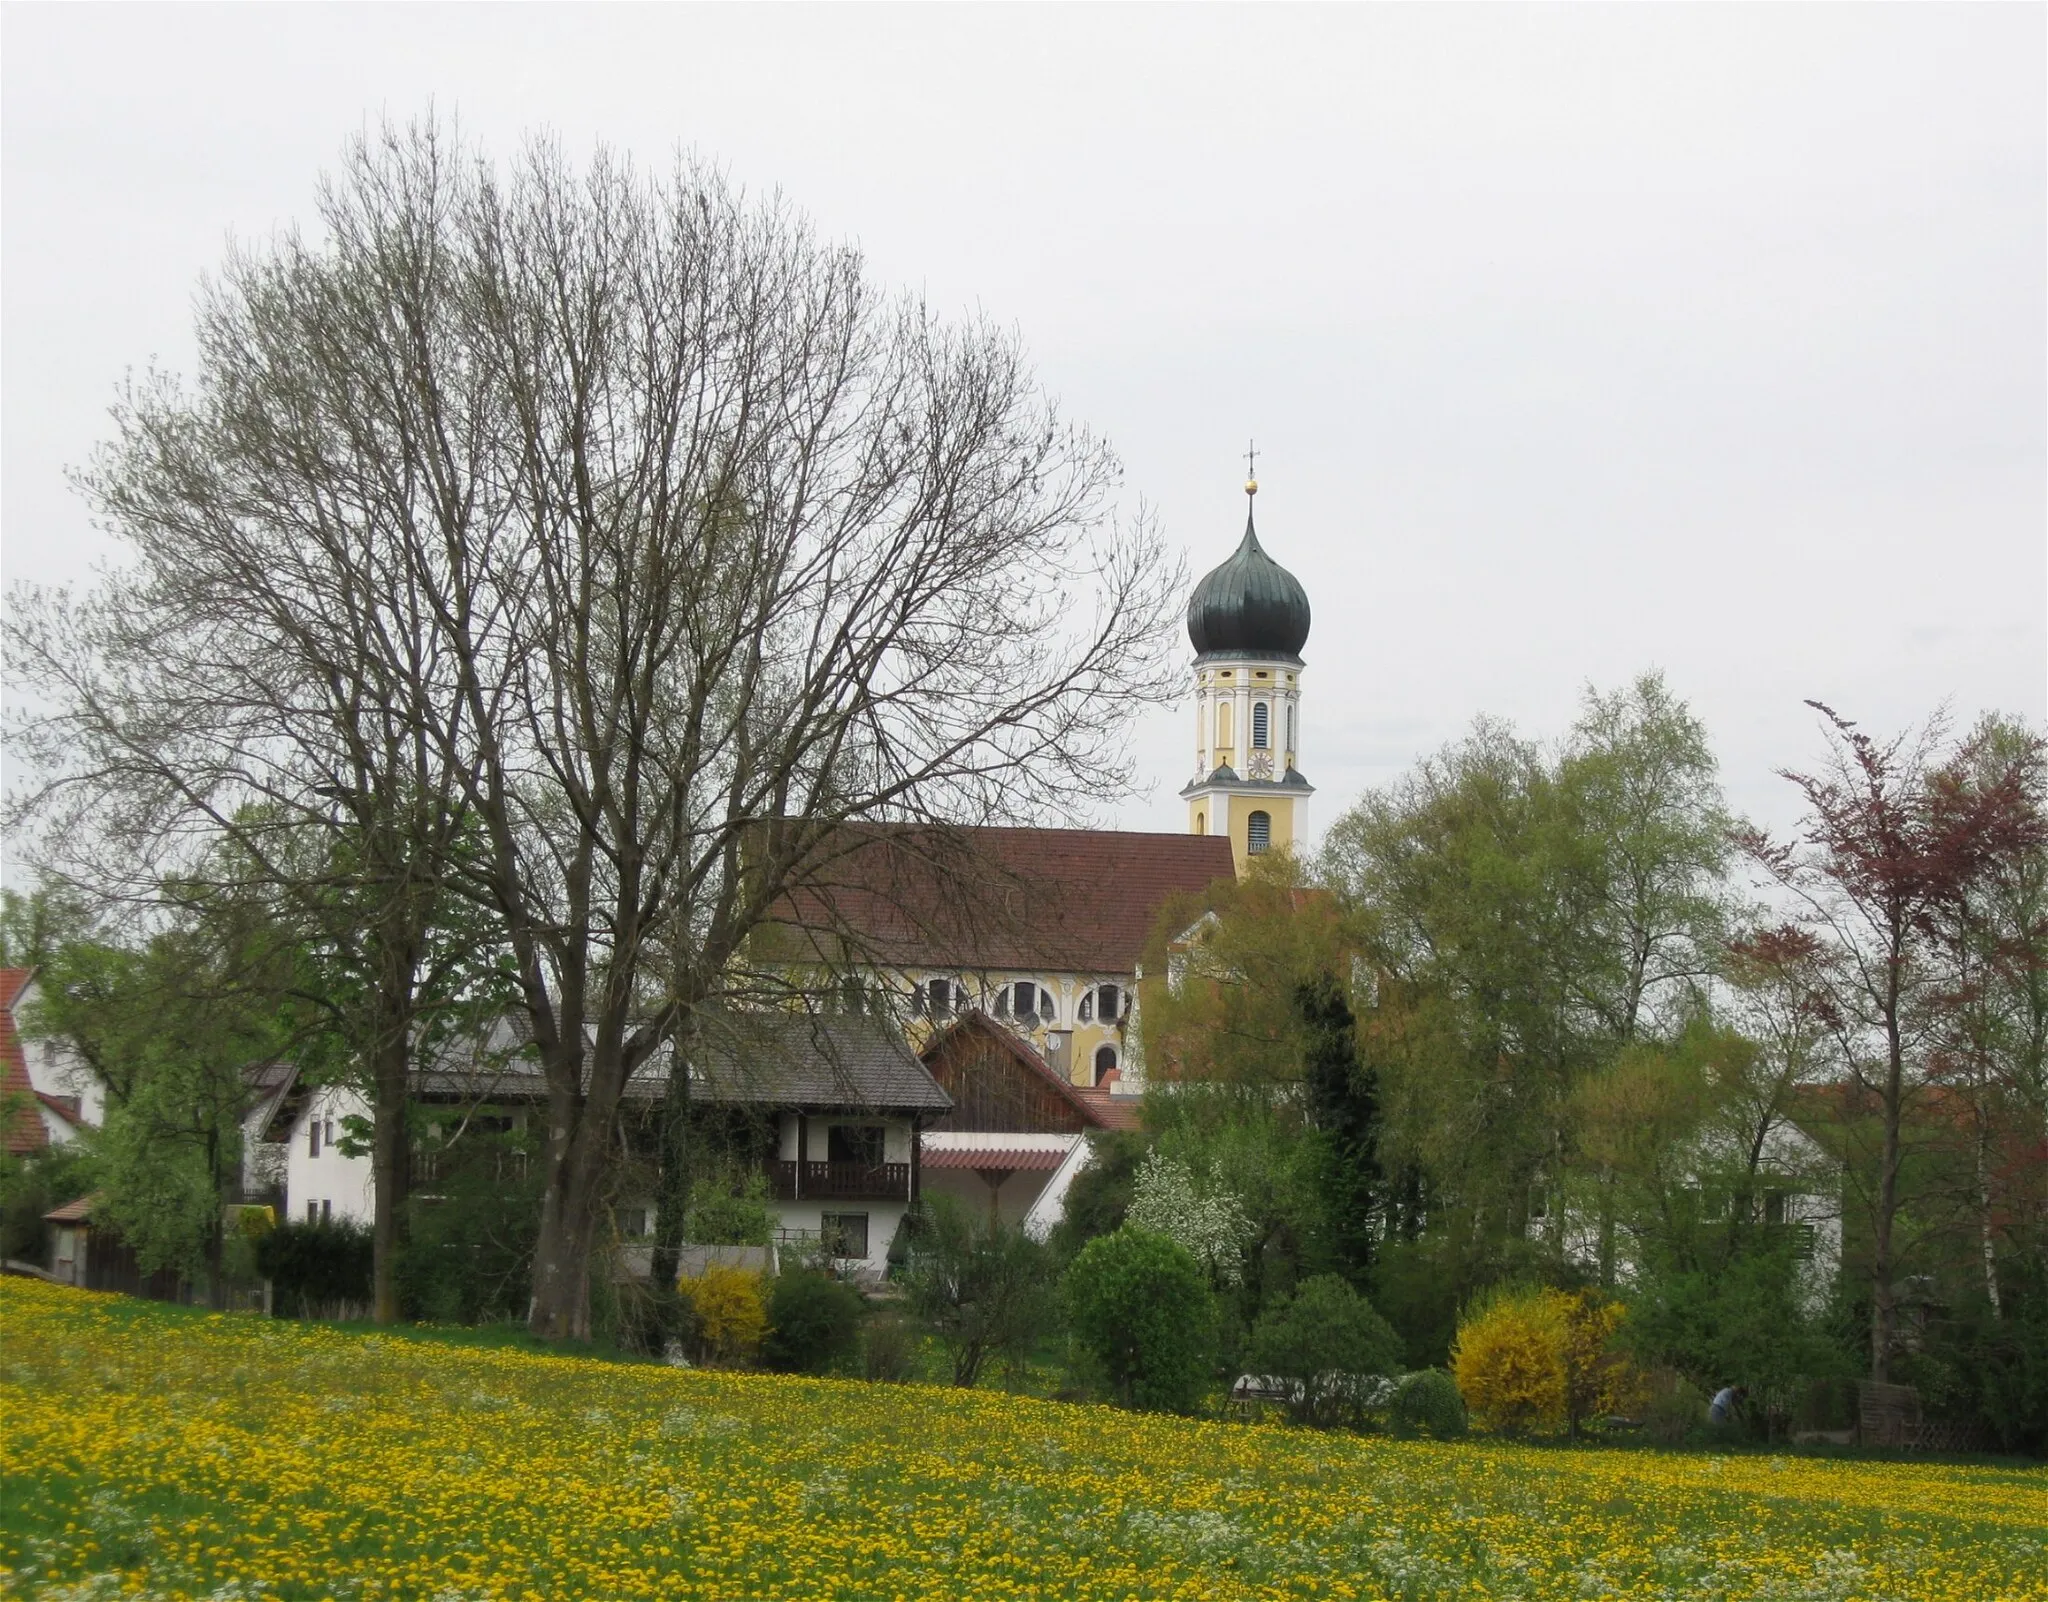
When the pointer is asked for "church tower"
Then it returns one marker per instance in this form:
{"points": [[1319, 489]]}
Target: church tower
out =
{"points": [[1248, 621]]}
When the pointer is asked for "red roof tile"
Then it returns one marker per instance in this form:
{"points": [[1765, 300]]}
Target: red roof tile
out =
{"points": [[76, 1212], [1112, 1112], [24, 1130], [974, 899], [1016, 1159]]}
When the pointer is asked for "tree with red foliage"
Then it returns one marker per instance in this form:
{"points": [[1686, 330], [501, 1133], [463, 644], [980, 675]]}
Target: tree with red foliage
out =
{"points": [[1993, 1052], [1894, 840]]}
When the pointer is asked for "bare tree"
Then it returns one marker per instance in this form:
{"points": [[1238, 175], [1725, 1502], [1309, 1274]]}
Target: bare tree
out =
{"points": [[1892, 840], [692, 547]]}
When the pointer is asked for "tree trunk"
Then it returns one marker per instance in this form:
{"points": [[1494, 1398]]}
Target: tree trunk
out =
{"points": [[672, 1198], [216, 1234], [391, 1168], [576, 1156], [1883, 1312], [1985, 1234]]}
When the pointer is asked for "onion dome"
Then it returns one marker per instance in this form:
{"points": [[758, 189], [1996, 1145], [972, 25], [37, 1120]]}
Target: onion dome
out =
{"points": [[1250, 606]]}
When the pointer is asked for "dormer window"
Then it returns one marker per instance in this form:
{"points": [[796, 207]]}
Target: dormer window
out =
{"points": [[1026, 1004], [1104, 1004]]}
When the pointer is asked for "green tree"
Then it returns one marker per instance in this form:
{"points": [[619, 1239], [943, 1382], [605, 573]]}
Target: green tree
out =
{"points": [[1140, 1309], [980, 1285], [173, 1028], [1329, 1340]]}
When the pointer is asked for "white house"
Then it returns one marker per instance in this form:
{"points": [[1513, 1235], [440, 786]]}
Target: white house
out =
{"points": [[829, 1107]]}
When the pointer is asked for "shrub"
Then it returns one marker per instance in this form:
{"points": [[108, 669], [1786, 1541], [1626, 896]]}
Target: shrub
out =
{"points": [[813, 1322], [1100, 1195], [1673, 1407], [731, 1208], [1428, 1403], [980, 1285], [316, 1270], [1327, 1338], [889, 1352], [1509, 1362], [1542, 1360], [730, 1317], [1142, 1312]]}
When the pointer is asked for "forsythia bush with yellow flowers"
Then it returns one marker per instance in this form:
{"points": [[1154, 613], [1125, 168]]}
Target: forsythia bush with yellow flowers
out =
{"points": [[1542, 1360], [731, 1313]]}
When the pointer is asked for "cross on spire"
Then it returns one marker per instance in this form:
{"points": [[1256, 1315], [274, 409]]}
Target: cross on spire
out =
{"points": [[1251, 467]]}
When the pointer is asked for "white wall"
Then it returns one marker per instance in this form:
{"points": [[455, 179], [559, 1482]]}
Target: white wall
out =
{"points": [[335, 1185], [56, 1068]]}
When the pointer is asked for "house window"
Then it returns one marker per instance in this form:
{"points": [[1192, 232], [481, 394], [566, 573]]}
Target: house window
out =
{"points": [[844, 1234], [312, 1212], [941, 998], [1104, 1003], [855, 1143], [1260, 722], [327, 1212], [327, 1134], [1027, 1003], [633, 1223], [1258, 833], [313, 1139], [1105, 1062]]}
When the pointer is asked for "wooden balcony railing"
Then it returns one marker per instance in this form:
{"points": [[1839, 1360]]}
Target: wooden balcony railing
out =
{"points": [[839, 1181]]}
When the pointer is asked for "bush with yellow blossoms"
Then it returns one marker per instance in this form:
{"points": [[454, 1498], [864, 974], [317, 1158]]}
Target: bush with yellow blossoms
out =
{"points": [[731, 1314], [1541, 1361]]}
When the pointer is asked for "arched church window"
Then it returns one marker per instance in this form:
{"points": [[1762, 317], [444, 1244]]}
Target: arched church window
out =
{"points": [[1026, 1003], [1201, 823], [1104, 1003], [1260, 716], [941, 998], [1222, 725], [1105, 1062], [1258, 833]]}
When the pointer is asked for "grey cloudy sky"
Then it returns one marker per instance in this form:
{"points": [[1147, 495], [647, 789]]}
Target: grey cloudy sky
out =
{"points": [[1576, 340]]}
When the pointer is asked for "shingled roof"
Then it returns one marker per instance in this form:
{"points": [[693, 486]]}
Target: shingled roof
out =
{"points": [[984, 899], [793, 1060]]}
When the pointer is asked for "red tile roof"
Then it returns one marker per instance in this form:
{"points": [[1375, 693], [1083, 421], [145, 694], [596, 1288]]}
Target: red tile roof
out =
{"points": [[1112, 1112], [24, 1129], [76, 1212], [980, 899], [1016, 1159]]}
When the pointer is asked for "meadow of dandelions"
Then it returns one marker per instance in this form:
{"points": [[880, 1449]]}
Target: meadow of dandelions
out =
{"points": [[158, 1453]]}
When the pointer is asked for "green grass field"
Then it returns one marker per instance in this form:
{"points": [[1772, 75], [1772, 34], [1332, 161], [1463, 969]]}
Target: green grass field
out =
{"points": [[157, 1452]]}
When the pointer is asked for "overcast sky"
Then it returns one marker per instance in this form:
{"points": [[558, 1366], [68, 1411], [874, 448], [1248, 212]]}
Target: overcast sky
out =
{"points": [[1576, 341]]}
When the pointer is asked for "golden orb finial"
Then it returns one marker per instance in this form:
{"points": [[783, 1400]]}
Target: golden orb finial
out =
{"points": [[1251, 486]]}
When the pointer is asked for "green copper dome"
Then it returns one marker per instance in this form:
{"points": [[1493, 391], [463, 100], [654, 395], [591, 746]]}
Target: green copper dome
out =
{"points": [[1250, 606]]}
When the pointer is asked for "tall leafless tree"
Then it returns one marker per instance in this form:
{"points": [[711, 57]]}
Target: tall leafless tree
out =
{"points": [[694, 546]]}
